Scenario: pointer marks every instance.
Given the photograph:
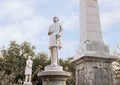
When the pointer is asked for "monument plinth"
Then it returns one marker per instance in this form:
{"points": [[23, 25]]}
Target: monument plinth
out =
{"points": [[53, 73], [93, 59]]}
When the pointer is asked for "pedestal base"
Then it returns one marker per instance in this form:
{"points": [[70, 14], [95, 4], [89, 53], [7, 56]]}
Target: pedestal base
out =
{"points": [[27, 83], [53, 75], [54, 83], [94, 71], [53, 68]]}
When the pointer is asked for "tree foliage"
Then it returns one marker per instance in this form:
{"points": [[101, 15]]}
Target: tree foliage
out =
{"points": [[12, 66], [69, 67]]}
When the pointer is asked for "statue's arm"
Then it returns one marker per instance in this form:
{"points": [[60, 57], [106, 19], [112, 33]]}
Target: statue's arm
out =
{"points": [[29, 64], [60, 32], [49, 32]]}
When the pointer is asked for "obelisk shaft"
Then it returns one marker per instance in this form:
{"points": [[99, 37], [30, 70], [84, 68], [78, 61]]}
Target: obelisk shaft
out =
{"points": [[89, 21]]}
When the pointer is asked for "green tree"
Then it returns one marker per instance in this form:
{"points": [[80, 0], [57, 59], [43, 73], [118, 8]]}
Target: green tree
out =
{"points": [[69, 67], [12, 66], [39, 62], [14, 60]]}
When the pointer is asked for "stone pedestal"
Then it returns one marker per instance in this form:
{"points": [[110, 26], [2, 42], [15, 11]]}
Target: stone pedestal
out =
{"points": [[93, 65], [27, 83], [53, 75], [94, 71]]}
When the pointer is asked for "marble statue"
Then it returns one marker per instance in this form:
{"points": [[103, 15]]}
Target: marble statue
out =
{"points": [[55, 33], [28, 71], [54, 74]]}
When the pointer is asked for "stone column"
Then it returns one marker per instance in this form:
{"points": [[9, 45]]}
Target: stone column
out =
{"points": [[93, 59]]}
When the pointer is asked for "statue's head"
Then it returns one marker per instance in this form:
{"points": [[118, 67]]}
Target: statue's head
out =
{"points": [[29, 57], [55, 19]]}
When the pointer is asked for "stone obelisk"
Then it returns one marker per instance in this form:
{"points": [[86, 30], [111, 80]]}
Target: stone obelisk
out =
{"points": [[93, 59], [53, 73]]}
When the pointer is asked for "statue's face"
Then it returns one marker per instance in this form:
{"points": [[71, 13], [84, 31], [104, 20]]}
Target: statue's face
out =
{"points": [[55, 19]]}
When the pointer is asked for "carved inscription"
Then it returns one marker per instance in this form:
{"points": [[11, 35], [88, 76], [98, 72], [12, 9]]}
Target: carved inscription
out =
{"points": [[81, 77], [101, 76]]}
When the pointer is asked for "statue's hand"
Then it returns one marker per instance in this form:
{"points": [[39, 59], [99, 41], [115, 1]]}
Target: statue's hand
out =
{"points": [[49, 33], [57, 36]]}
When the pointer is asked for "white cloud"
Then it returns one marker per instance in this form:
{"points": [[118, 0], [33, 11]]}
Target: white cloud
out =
{"points": [[109, 19], [15, 10], [110, 13], [68, 49], [70, 23], [35, 25], [23, 21], [25, 30]]}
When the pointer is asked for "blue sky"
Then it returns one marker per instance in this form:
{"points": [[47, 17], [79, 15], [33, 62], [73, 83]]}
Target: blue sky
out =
{"points": [[28, 20]]}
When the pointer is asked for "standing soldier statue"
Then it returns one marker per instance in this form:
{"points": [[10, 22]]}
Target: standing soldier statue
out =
{"points": [[28, 71], [55, 33], [54, 73]]}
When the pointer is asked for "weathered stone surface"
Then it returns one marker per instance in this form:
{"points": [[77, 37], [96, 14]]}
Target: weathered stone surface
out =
{"points": [[27, 83], [53, 68], [94, 71], [54, 83], [91, 41], [54, 76]]}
